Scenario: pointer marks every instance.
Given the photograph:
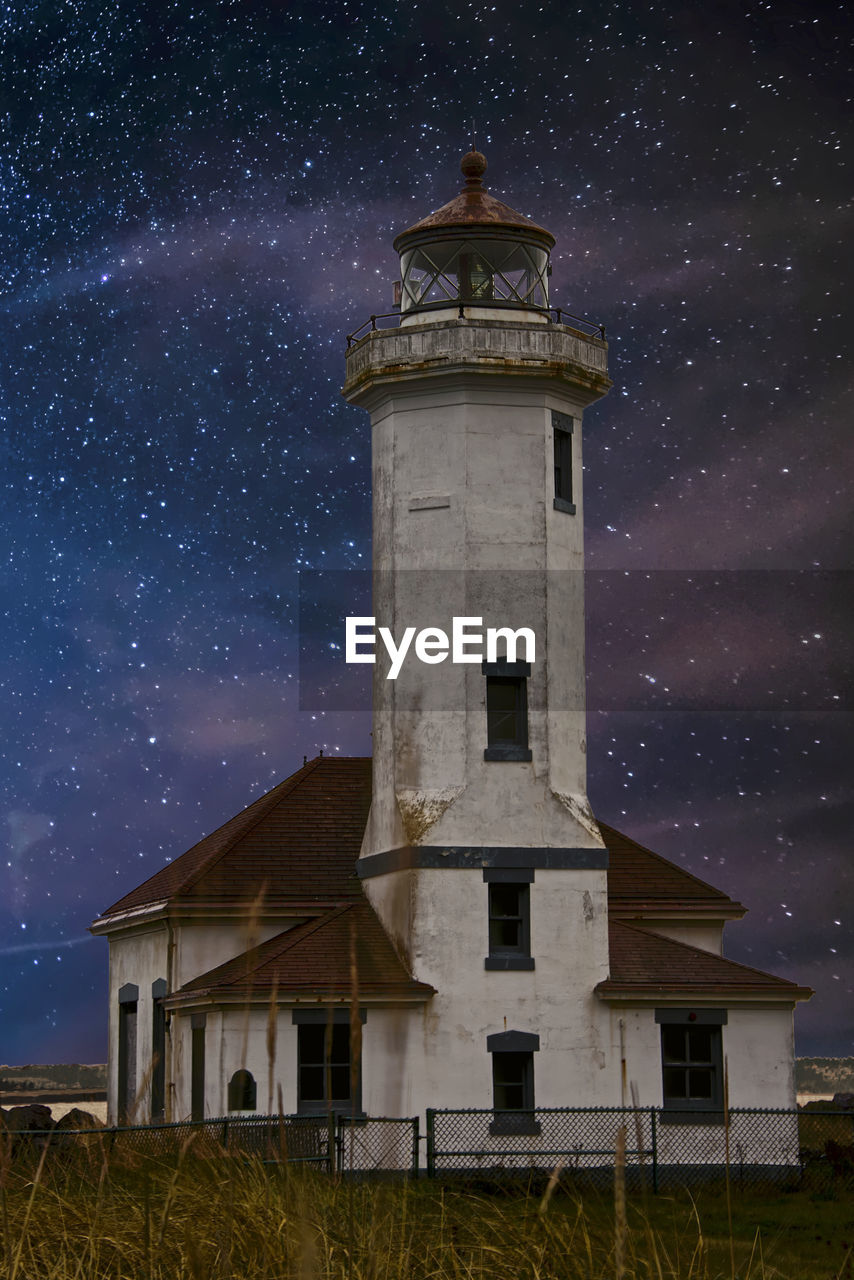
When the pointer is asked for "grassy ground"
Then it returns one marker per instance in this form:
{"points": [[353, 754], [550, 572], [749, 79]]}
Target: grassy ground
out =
{"points": [[83, 1218]]}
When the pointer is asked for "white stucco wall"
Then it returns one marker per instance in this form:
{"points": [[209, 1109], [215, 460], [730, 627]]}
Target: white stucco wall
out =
{"points": [[202, 945], [139, 955], [439, 1055], [757, 1041], [465, 525], [138, 958]]}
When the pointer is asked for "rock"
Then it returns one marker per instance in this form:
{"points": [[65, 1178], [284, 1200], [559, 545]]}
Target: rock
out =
{"points": [[75, 1119], [35, 1117]]}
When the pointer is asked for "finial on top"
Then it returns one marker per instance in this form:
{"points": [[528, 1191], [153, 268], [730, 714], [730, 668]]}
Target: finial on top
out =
{"points": [[473, 165]]}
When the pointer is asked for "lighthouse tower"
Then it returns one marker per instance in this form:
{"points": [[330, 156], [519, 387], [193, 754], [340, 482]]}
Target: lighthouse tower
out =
{"points": [[481, 854]]}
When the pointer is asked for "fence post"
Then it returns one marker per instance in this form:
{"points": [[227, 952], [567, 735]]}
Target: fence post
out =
{"points": [[652, 1117], [331, 1161], [431, 1140], [225, 1134], [416, 1138]]}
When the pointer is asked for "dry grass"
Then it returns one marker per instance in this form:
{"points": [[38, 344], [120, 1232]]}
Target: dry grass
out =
{"points": [[80, 1216]]}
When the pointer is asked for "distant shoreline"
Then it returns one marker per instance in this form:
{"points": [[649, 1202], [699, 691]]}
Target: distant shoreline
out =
{"points": [[47, 1096]]}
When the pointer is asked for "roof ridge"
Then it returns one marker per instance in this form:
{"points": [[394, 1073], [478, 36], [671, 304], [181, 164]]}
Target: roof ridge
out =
{"points": [[289, 784], [687, 946], [668, 862]]}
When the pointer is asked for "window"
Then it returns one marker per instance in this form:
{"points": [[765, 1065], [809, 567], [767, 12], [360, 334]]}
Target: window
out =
{"points": [[158, 1051], [197, 1066], [128, 998], [513, 1081], [327, 1076], [506, 710], [242, 1091], [509, 918], [562, 428], [691, 1063]]}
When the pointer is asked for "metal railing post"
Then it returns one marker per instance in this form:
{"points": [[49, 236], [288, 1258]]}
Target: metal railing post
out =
{"points": [[653, 1122], [416, 1138]]}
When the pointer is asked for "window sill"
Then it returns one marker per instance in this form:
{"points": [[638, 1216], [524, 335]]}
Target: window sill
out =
{"points": [[510, 1122], [561, 504], [508, 751], [685, 1115], [343, 1110], [509, 962]]}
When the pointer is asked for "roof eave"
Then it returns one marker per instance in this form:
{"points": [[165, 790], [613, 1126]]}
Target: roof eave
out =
{"points": [[150, 913], [611, 992], [184, 1001], [423, 233], [653, 908]]}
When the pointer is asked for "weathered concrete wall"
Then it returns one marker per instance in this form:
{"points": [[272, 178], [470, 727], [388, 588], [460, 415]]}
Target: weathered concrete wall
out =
{"points": [[200, 946], [139, 958], [465, 525], [440, 1056], [757, 1043], [513, 348]]}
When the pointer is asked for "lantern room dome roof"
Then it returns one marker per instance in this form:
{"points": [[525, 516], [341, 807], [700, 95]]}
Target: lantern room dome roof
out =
{"points": [[474, 207]]}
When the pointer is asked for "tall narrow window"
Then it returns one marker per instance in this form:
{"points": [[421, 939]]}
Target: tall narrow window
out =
{"points": [[158, 1051], [128, 998], [692, 1063], [562, 431], [509, 918], [513, 1081], [197, 1067], [506, 710]]}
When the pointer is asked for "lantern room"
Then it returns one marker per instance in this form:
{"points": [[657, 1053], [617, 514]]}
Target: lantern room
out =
{"points": [[474, 252]]}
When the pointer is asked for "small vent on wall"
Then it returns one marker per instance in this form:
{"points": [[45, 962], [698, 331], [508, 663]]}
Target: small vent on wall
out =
{"points": [[428, 501]]}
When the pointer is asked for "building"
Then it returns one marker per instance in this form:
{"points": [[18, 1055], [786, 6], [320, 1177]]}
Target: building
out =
{"points": [[448, 925]]}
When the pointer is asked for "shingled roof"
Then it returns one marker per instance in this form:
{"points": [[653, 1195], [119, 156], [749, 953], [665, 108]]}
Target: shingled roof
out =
{"points": [[645, 965], [314, 959], [298, 844], [642, 881]]}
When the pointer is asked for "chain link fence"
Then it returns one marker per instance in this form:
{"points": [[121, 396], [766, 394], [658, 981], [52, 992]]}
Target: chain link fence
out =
{"points": [[343, 1144], [377, 1145], [663, 1148]]}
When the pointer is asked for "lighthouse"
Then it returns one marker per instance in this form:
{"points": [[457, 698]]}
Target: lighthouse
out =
{"points": [[481, 855], [446, 927]]}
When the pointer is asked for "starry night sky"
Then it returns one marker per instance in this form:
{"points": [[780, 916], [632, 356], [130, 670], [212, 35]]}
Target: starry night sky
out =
{"points": [[199, 205]]}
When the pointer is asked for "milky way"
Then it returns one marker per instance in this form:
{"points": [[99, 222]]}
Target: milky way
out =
{"points": [[200, 203]]}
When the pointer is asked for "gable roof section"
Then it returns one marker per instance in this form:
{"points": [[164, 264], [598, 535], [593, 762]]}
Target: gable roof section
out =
{"points": [[640, 880], [298, 843], [314, 960], [646, 966]]}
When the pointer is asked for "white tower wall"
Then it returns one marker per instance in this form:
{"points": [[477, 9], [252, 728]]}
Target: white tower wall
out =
{"points": [[466, 525]]}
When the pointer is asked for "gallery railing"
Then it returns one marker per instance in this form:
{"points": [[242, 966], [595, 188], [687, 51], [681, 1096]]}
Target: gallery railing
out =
{"points": [[588, 327]]}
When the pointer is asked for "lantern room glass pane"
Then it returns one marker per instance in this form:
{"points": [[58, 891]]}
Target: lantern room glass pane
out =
{"points": [[474, 271]]}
